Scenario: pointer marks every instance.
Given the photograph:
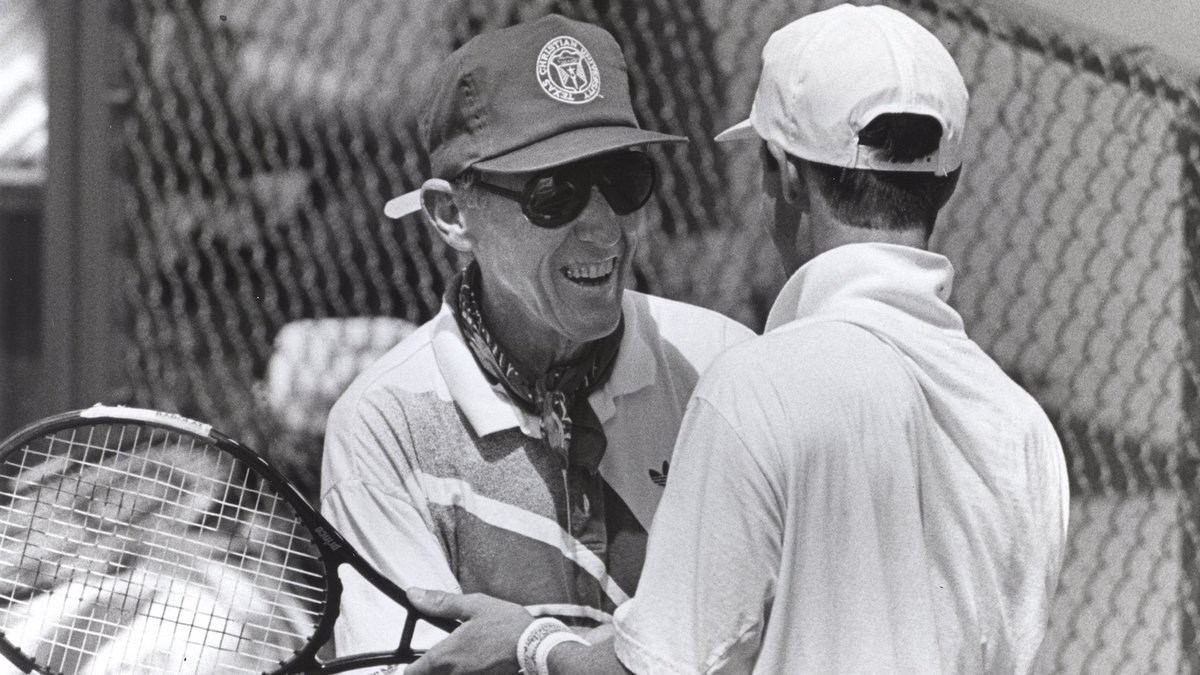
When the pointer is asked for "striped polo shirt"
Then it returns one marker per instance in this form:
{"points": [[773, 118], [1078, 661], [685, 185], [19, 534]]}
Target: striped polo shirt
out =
{"points": [[442, 482]]}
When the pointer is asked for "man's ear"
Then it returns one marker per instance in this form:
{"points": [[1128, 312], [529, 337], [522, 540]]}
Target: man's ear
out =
{"points": [[769, 164], [440, 209], [948, 189], [782, 177], [793, 183]]}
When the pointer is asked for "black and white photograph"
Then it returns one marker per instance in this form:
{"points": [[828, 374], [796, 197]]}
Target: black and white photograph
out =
{"points": [[597, 337]]}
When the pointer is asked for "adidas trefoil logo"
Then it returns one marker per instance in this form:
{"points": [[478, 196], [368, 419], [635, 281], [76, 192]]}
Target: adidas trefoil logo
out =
{"points": [[660, 479]]}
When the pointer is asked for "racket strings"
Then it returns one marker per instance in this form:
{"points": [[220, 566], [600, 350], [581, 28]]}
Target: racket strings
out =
{"points": [[212, 522], [124, 548], [131, 533]]}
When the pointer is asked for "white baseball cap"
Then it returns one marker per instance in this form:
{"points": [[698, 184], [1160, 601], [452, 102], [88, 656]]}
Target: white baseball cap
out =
{"points": [[829, 74]]}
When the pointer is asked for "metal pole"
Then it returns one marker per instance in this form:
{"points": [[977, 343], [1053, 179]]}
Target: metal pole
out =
{"points": [[1189, 515], [80, 356]]}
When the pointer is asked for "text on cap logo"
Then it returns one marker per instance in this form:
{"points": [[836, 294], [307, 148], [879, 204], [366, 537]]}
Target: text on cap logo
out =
{"points": [[567, 71]]}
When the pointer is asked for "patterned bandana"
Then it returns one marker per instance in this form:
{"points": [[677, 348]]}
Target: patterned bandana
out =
{"points": [[570, 428]]}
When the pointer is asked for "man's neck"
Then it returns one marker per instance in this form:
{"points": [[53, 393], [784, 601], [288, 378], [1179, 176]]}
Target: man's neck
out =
{"points": [[534, 347], [829, 233], [842, 234]]}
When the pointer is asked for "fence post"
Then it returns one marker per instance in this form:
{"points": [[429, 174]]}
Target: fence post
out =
{"points": [[79, 277], [1189, 516]]}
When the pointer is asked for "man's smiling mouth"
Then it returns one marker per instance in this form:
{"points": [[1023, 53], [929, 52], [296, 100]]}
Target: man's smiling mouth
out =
{"points": [[590, 274]]}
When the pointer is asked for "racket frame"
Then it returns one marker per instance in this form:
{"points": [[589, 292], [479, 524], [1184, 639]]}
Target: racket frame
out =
{"points": [[333, 548]]}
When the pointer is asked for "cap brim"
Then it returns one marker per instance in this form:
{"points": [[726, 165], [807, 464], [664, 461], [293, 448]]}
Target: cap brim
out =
{"points": [[572, 146], [403, 205], [741, 131]]}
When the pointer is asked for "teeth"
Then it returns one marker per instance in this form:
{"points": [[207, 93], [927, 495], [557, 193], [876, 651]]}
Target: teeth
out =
{"points": [[590, 270]]}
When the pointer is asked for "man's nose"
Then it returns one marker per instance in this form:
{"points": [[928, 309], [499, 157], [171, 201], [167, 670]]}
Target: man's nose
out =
{"points": [[599, 224]]}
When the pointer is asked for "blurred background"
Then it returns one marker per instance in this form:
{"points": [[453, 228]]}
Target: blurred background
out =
{"points": [[191, 219]]}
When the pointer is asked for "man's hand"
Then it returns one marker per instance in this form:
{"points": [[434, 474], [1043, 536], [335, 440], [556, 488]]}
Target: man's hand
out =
{"points": [[486, 642]]}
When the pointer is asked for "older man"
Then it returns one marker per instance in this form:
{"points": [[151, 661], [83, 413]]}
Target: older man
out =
{"points": [[518, 443], [861, 489]]}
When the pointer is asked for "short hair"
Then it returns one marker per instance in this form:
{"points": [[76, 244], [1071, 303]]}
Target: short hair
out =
{"points": [[888, 200], [469, 194]]}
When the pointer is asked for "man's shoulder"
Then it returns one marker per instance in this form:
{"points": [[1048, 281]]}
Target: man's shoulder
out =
{"points": [[822, 359], [687, 327], [411, 358], [831, 340], [409, 366], [660, 307]]}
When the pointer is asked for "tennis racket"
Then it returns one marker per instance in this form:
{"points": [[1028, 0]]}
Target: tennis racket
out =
{"points": [[140, 541]]}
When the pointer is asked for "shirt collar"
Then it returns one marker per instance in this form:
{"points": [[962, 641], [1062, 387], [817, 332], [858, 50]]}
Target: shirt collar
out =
{"points": [[488, 408], [636, 367], [869, 277]]}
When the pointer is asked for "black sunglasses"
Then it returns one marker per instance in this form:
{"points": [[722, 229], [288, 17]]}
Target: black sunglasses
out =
{"points": [[555, 197]]}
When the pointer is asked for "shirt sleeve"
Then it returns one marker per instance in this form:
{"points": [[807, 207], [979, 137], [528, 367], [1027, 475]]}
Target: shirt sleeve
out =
{"points": [[371, 493], [712, 559]]}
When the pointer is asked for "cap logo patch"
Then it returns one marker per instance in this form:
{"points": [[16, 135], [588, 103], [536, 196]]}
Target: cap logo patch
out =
{"points": [[567, 71]]}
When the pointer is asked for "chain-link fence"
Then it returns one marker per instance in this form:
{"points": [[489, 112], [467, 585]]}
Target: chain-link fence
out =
{"points": [[261, 140]]}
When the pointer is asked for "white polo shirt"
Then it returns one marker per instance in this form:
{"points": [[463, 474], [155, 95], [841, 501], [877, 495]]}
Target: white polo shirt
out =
{"points": [[859, 490]]}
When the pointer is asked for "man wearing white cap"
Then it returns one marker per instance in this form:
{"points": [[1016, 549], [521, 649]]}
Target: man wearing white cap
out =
{"points": [[861, 489], [517, 443]]}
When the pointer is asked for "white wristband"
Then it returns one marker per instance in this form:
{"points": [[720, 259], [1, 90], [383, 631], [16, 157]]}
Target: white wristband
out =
{"points": [[532, 637], [541, 658]]}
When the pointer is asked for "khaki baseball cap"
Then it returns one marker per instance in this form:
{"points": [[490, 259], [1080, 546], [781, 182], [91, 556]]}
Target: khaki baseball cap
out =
{"points": [[526, 98], [829, 74]]}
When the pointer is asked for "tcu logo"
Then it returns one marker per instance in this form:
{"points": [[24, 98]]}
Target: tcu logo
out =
{"points": [[567, 71]]}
